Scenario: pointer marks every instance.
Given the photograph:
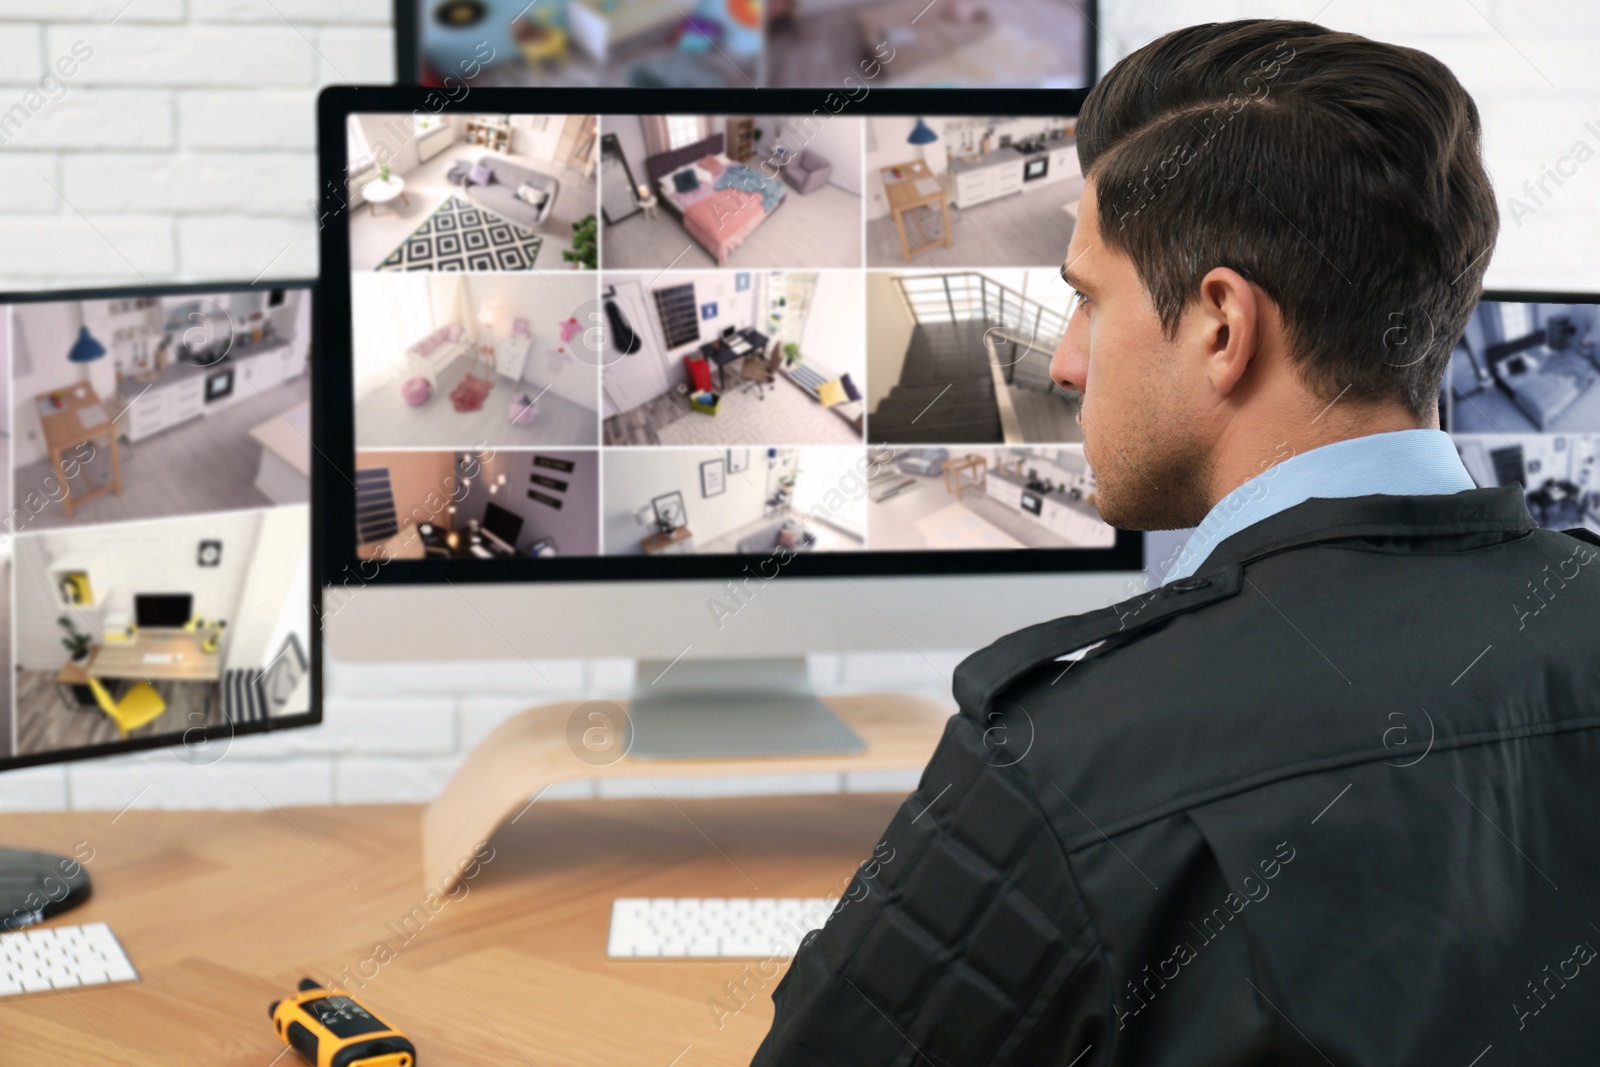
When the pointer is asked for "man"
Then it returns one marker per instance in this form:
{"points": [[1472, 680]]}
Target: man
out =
{"points": [[1326, 796]]}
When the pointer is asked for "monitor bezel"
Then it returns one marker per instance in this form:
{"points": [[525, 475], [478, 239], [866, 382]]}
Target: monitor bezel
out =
{"points": [[408, 41], [196, 736], [337, 439]]}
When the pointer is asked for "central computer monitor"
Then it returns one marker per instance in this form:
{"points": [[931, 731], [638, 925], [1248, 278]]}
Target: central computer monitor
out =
{"points": [[735, 379], [162, 610]]}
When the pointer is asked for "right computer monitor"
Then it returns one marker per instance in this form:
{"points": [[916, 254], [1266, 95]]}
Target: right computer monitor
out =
{"points": [[1522, 402]]}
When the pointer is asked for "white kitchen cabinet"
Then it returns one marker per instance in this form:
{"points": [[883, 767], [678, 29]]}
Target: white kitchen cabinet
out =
{"points": [[254, 376], [1064, 165], [1008, 178], [974, 187], [1004, 492]]}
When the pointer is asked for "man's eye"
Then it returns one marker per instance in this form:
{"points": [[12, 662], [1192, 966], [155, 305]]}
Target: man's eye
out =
{"points": [[1078, 300]]}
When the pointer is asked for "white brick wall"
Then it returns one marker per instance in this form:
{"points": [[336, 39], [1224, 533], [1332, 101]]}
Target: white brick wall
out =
{"points": [[184, 149]]}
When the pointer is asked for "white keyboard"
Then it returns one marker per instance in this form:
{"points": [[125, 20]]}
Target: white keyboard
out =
{"points": [[156, 657], [61, 957], [692, 927]]}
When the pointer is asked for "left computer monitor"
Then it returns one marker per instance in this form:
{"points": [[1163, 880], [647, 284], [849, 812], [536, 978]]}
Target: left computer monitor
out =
{"points": [[156, 575]]}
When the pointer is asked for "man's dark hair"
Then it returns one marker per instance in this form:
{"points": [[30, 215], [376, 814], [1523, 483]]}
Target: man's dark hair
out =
{"points": [[1343, 176]]}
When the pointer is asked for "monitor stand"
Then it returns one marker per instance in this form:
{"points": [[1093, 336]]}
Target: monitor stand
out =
{"points": [[731, 708]]}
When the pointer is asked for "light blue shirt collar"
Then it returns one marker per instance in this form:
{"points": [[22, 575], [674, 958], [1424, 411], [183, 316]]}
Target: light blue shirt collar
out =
{"points": [[1400, 463]]}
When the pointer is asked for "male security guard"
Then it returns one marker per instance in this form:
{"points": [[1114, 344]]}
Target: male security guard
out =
{"points": [[1327, 795]]}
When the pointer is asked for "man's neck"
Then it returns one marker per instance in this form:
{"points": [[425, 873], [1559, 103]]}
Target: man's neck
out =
{"points": [[1249, 449]]}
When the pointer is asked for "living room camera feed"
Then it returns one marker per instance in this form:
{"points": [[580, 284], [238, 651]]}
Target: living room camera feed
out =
{"points": [[458, 360], [684, 192], [156, 563], [755, 368], [740, 501], [459, 192], [778, 357]]}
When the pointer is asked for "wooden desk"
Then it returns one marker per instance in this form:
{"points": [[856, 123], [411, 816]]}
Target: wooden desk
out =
{"points": [[65, 429], [903, 197], [125, 659], [679, 542], [967, 472], [223, 912]]}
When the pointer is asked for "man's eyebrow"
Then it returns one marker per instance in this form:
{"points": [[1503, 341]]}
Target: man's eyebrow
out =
{"points": [[1072, 279]]}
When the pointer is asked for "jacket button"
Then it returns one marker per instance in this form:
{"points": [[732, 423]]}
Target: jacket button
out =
{"points": [[1189, 585]]}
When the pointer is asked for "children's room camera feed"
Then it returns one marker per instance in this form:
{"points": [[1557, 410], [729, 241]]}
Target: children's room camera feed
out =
{"points": [[738, 191], [461, 192], [456, 360], [157, 567]]}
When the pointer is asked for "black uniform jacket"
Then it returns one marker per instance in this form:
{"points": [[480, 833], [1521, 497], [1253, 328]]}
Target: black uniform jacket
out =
{"points": [[1332, 800]]}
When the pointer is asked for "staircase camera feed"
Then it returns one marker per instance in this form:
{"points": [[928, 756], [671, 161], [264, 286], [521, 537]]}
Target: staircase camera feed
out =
{"points": [[734, 379], [156, 568]]}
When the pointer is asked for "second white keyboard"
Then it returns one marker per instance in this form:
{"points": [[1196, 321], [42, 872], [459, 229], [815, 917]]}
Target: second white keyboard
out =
{"points": [[696, 927], [61, 957]]}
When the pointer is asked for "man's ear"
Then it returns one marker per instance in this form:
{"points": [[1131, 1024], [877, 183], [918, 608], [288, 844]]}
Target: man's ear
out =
{"points": [[1226, 327]]}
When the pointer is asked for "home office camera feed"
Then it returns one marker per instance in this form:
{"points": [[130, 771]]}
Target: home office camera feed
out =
{"points": [[800, 337], [157, 570]]}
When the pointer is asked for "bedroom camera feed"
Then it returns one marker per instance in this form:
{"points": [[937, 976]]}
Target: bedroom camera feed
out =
{"points": [[734, 378], [156, 564], [1524, 367], [740, 191], [459, 192]]}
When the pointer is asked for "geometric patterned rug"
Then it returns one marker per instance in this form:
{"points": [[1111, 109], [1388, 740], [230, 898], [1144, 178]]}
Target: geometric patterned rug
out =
{"points": [[459, 236]]}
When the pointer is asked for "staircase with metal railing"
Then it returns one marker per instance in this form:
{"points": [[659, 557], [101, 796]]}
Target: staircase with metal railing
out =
{"points": [[976, 343]]}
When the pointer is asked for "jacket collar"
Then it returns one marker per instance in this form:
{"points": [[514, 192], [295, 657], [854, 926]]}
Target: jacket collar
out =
{"points": [[1496, 510]]}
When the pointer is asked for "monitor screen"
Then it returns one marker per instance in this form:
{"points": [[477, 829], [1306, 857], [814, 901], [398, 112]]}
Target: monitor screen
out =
{"points": [[745, 44], [502, 524], [157, 572], [668, 349], [1522, 402], [158, 610]]}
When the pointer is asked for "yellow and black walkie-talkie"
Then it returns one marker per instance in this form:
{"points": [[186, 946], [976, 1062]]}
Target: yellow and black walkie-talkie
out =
{"points": [[330, 1028]]}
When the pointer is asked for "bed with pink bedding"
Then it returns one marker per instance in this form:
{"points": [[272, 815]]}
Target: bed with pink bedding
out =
{"points": [[720, 219]]}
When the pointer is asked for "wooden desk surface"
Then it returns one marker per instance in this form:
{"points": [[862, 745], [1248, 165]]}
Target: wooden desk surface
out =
{"points": [[223, 912], [903, 194], [125, 659], [64, 428]]}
